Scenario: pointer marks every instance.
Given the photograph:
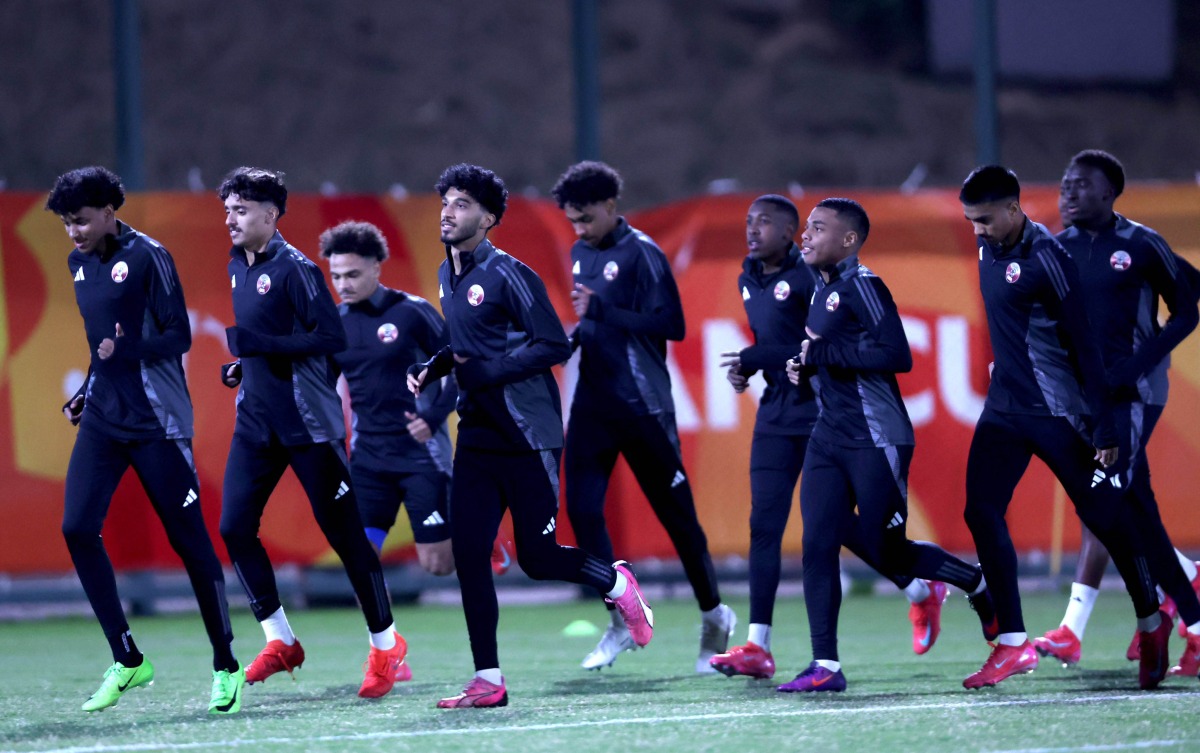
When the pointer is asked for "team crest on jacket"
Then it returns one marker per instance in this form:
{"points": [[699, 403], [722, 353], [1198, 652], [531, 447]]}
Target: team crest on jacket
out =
{"points": [[475, 295], [387, 332], [610, 271], [831, 303], [120, 271], [1013, 273], [264, 283], [1120, 261], [782, 290]]}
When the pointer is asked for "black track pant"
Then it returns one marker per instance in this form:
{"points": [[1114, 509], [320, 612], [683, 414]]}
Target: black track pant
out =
{"points": [[650, 445], [526, 484], [251, 474], [875, 479], [1000, 452], [1136, 422], [775, 463], [168, 475]]}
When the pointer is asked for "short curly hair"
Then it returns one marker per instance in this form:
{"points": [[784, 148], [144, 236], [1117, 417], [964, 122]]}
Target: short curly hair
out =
{"points": [[353, 237], [586, 183], [256, 184], [481, 184], [1107, 164], [94, 186]]}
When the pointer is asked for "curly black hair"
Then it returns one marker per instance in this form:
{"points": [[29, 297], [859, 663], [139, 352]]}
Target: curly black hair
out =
{"points": [[481, 184], [256, 184], [1107, 164], [587, 183], [352, 237], [95, 186], [782, 204]]}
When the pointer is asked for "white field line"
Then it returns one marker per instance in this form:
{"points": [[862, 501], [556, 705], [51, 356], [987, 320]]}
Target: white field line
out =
{"points": [[626, 721]]}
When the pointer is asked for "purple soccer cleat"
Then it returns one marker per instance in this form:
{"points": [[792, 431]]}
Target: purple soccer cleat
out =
{"points": [[815, 679]]}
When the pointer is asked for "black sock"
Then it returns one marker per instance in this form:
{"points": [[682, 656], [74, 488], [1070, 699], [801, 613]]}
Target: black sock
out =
{"points": [[124, 650]]}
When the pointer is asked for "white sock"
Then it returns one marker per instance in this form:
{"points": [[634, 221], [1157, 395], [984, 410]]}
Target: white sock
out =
{"points": [[1079, 608], [618, 590], [832, 666], [277, 628], [386, 640], [1194, 628], [982, 585], [491, 675], [917, 591], [1189, 567], [760, 635], [1012, 639], [1149, 624]]}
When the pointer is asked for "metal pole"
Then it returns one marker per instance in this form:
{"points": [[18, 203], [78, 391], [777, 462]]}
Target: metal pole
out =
{"points": [[585, 39], [127, 79], [987, 127]]}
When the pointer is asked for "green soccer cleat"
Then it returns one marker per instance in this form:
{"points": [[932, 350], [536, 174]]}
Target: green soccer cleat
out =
{"points": [[117, 679], [227, 691]]}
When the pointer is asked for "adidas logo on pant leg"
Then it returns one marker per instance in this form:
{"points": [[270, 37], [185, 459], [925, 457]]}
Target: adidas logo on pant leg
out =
{"points": [[895, 521], [679, 479], [341, 490], [190, 498], [435, 519], [549, 529]]}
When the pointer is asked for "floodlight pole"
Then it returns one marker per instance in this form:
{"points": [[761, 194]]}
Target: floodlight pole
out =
{"points": [[585, 42], [127, 80], [987, 126]]}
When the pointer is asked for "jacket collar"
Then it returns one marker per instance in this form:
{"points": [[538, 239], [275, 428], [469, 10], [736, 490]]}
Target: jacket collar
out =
{"points": [[273, 248]]}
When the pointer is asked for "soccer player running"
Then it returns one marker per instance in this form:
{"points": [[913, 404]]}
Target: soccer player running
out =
{"points": [[862, 444], [1036, 405], [776, 287], [134, 410], [1124, 268], [504, 337], [628, 307], [289, 414]]}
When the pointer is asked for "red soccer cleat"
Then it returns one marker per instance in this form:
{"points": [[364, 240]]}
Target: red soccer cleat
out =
{"points": [[1168, 607], [404, 671], [1061, 643], [638, 616], [502, 558], [382, 669], [1189, 663], [1152, 667], [1004, 662], [277, 656], [926, 617], [750, 660], [478, 693]]}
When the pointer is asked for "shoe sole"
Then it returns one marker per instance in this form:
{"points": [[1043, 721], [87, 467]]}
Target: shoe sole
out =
{"points": [[732, 672]]}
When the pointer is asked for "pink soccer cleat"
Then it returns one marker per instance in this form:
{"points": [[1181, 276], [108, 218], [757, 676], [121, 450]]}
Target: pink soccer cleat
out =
{"points": [[1004, 662], [1061, 643], [926, 617], [638, 616], [478, 693], [750, 660]]}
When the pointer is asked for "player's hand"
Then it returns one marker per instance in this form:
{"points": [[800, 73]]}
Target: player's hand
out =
{"points": [[417, 428], [74, 410], [108, 345], [231, 374], [416, 380], [1106, 456], [739, 382], [733, 359], [812, 337], [581, 297], [793, 370]]}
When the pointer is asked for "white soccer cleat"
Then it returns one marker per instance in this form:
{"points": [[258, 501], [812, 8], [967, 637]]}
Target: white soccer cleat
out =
{"points": [[615, 640], [715, 633]]}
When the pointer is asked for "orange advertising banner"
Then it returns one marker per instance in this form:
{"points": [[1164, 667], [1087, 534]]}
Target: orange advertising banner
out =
{"points": [[919, 244]]}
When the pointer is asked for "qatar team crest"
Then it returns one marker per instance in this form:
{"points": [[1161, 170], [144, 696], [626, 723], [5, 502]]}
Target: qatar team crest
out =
{"points": [[832, 302], [387, 332], [120, 271], [475, 295], [782, 290], [610, 271], [1013, 273], [1120, 261], [264, 284]]}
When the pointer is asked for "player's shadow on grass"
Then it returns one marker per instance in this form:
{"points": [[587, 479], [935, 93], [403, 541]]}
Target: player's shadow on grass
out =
{"points": [[609, 684]]}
